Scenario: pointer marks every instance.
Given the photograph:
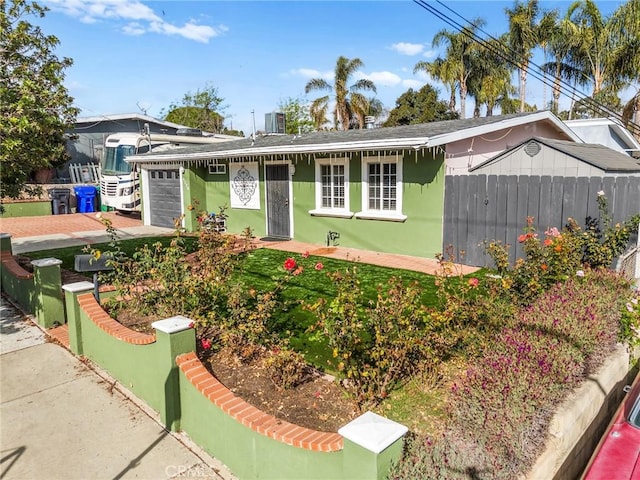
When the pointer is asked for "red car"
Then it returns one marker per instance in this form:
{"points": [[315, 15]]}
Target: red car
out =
{"points": [[617, 456]]}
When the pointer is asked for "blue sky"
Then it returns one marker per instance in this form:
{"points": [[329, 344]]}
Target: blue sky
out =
{"points": [[132, 55]]}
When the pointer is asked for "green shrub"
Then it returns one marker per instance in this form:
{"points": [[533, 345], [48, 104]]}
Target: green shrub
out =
{"points": [[285, 367]]}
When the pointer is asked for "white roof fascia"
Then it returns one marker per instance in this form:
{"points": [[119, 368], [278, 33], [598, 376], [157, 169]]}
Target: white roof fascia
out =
{"points": [[396, 143], [510, 123]]}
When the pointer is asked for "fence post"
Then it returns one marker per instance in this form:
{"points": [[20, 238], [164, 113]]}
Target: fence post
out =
{"points": [[5, 243], [48, 306], [71, 292], [174, 336], [371, 443]]}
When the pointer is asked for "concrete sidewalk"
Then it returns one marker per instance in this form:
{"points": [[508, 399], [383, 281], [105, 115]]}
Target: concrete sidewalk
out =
{"points": [[87, 237], [60, 419]]}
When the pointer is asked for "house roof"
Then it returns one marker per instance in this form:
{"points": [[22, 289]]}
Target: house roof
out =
{"points": [[599, 156], [422, 136], [583, 126], [125, 116]]}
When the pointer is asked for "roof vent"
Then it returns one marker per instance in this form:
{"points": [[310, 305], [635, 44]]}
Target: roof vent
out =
{"points": [[532, 148]]}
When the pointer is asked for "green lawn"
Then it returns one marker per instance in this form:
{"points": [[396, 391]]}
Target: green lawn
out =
{"points": [[67, 254], [263, 265]]}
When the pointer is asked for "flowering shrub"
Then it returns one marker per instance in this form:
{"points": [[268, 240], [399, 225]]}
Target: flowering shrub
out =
{"points": [[560, 255], [469, 308], [601, 241], [548, 260], [501, 406], [378, 345]]}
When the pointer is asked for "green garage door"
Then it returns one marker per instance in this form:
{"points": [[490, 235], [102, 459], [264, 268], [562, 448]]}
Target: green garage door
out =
{"points": [[164, 197]]}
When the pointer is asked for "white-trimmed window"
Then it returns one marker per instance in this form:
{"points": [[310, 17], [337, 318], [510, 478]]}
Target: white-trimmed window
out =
{"points": [[216, 167], [382, 188], [332, 187]]}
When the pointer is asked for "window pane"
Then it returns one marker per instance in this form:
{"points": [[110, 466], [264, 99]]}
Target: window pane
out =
{"points": [[332, 180]]}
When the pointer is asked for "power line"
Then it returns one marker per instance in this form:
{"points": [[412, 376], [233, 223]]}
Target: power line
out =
{"points": [[569, 91]]}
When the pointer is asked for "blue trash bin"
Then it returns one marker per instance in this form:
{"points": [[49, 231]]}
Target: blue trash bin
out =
{"points": [[86, 198]]}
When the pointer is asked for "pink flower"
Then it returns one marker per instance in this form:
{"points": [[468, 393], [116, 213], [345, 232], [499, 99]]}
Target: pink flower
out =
{"points": [[473, 282], [290, 264], [522, 238], [297, 271], [305, 254], [552, 232], [580, 273], [319, 266], [191, 325], [206, 343]]}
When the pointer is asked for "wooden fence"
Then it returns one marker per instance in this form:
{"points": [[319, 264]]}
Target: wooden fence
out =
{"points": [[483, 208]]}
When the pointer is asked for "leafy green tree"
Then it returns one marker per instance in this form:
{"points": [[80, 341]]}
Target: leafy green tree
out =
{"points": [[422, 106], [35, 107], [297, 117], [200, 109], [345, 96]]}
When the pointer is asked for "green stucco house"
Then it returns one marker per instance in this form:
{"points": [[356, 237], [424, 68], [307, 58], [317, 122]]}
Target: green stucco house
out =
{"points": [[377, 189]]}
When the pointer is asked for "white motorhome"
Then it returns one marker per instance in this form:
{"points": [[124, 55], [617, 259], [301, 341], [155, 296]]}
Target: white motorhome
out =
{"points": [[119, 183]]}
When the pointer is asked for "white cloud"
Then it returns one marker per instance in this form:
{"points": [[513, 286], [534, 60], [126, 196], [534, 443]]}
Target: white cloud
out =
{"points": [[430, 54], [405, 48], [311, 73], [191, 31], [133, 28], [140, 17], [385, 79]]}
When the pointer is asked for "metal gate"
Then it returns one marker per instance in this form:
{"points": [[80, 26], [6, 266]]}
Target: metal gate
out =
{"points": [[164, 197], [481, 208], [277, 193]]}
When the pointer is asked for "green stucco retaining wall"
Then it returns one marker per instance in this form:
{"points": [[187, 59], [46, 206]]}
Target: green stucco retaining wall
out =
{"points": [[247, 453], [148, 370], [21, 291]]}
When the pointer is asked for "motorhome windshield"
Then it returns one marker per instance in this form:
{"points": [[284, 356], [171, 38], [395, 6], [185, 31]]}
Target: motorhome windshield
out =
{"points": [[113, 162]]}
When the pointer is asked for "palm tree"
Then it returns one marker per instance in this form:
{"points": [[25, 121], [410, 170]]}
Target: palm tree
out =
{"points": [[442, 69], [491, 82], [525, 34], [457, 64], [345, 96], [559, 46], [592, 52], [624, 27], [364, 107]]}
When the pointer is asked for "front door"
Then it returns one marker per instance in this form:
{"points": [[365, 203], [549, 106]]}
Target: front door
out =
{"points": [[277, 193]]}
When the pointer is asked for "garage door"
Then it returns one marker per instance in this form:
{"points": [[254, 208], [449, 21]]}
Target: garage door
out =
{"points": [[164, 196]]}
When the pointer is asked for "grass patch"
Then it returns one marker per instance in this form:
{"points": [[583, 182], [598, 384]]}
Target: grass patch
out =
{"points": [[263, 265]]}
